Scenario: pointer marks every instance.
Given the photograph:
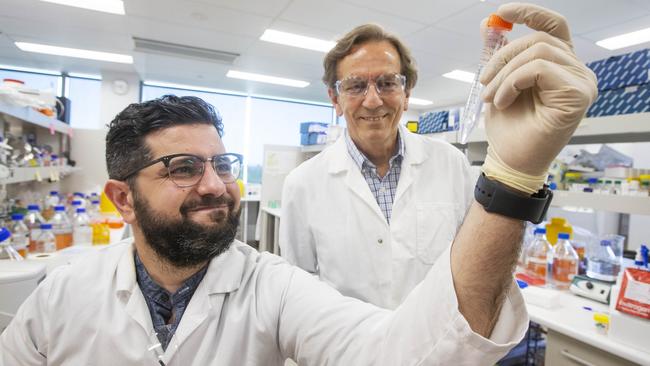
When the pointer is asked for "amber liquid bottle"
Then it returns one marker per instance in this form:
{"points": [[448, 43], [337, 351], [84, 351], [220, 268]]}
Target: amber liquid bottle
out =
{"points": [[565, 263]]}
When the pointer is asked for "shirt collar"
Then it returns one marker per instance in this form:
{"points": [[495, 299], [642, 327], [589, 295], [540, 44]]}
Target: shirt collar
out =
{"points": [[154, 291], [360, 158], [224, 273]]}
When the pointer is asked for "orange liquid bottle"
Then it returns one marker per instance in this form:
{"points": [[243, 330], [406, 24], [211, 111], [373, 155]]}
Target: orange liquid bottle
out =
{"points": [[565, 262]]}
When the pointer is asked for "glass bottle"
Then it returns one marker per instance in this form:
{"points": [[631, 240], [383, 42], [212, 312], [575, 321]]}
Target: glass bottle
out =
{"points": [[46, 242], [7, 251], [19, 234], [539, 258], [33, 220], [565, 262], [82, 230], [603, 264], [62, 228]]}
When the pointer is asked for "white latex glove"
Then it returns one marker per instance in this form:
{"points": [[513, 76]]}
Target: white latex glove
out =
{"points": [[539, 92]]}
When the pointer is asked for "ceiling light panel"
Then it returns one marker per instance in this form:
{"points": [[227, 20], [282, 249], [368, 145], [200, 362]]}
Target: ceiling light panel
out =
{"points": [[625, 40], [106, 6], [74, 52], [266, 79], [296, 40], [465, 76]]}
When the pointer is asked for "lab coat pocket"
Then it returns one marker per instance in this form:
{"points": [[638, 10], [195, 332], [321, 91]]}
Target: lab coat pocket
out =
{"points": [[436, 225]]}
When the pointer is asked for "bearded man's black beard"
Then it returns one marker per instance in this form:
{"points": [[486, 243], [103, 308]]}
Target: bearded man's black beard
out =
{"points": [[185, 243]]}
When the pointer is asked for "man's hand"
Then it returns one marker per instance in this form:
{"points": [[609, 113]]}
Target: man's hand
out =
{"points": [[539, 92]]}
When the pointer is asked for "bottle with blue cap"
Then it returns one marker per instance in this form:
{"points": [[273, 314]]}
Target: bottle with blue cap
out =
{"points": [[565, 262], [19, 234], [7, 251], [82, 230], [602, 263], [46, 242], [72, 209], [539, 257], [62, 228], [33, 220]]}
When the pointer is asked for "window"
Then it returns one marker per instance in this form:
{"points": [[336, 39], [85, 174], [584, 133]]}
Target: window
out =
{"points": [[275, 122], [85, 103]]}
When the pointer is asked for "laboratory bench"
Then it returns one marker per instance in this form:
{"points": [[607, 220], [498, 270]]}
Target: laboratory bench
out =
{"points": [[572, 337]]}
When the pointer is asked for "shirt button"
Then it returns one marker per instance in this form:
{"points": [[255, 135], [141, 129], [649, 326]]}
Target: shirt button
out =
{"points": [[382, 189], [380, 241]]}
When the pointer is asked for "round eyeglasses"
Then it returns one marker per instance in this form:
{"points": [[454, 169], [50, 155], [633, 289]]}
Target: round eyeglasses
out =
{"points": [[186, 170], [385, 84]]}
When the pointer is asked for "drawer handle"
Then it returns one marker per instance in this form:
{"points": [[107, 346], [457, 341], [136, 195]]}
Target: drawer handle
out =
{"points": [[575, 358]]}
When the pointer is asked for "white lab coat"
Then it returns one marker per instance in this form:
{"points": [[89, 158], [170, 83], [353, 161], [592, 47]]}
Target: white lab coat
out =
{"points": [[249, 309], [332, 225]]}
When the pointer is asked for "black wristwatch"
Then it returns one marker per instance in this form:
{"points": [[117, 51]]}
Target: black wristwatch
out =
{"points": [[497, 198]]}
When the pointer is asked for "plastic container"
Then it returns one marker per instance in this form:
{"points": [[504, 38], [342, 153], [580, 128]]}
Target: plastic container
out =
{"points": [[7, 251], [539, 257], [565, 262], [556, 226], [79, 196], [495, 39], [82, 233], [33, 220], [19, 234], [603, 262], [46, 242], [62, 228]]}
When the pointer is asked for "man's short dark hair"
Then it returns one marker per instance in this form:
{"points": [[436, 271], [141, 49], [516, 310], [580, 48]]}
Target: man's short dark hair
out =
{"points": [[126, 150]]}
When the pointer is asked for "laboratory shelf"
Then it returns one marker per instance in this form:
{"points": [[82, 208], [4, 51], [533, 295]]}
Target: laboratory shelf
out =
{"points": [[30, 116], [47, 173], [606, 202], [597, 130]]}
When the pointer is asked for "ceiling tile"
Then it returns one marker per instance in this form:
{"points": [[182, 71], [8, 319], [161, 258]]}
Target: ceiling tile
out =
{"points": [[199, 15], [341, 17], [270, 8], [426, 12]]}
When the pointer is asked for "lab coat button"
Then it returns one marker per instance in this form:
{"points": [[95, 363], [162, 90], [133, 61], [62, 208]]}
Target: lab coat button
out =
{"points": [[380, 241]]}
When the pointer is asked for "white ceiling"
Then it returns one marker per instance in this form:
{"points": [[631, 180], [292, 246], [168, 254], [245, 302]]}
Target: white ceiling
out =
{"points": [[443, 35]]}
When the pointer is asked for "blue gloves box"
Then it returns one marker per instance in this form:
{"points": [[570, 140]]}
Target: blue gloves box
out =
{"points": [[307, 127], [433, 122], [623, 70], [623, 84], [633, 99], [313, 138]]}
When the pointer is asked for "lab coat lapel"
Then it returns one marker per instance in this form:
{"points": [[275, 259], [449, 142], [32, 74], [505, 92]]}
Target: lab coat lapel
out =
{"points": [[414, 156], [342, 162], [223, 276], [129, 292]]}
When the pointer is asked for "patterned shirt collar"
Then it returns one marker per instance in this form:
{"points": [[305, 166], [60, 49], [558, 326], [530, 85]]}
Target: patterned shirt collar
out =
{"points": [[360, 159], [162, 305]]}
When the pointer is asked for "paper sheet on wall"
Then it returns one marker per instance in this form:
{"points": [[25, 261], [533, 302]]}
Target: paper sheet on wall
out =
{"points": [[279, 162]]}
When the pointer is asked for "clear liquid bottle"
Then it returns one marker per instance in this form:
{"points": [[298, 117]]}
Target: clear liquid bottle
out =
{"points": [[82, 230], [602, 263], [565, 262], [497, 28], [19, 234], [7, 251], [46, 241], [72, 209], [79, 196], [62, 228], [539, 258], [33, 220]]}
